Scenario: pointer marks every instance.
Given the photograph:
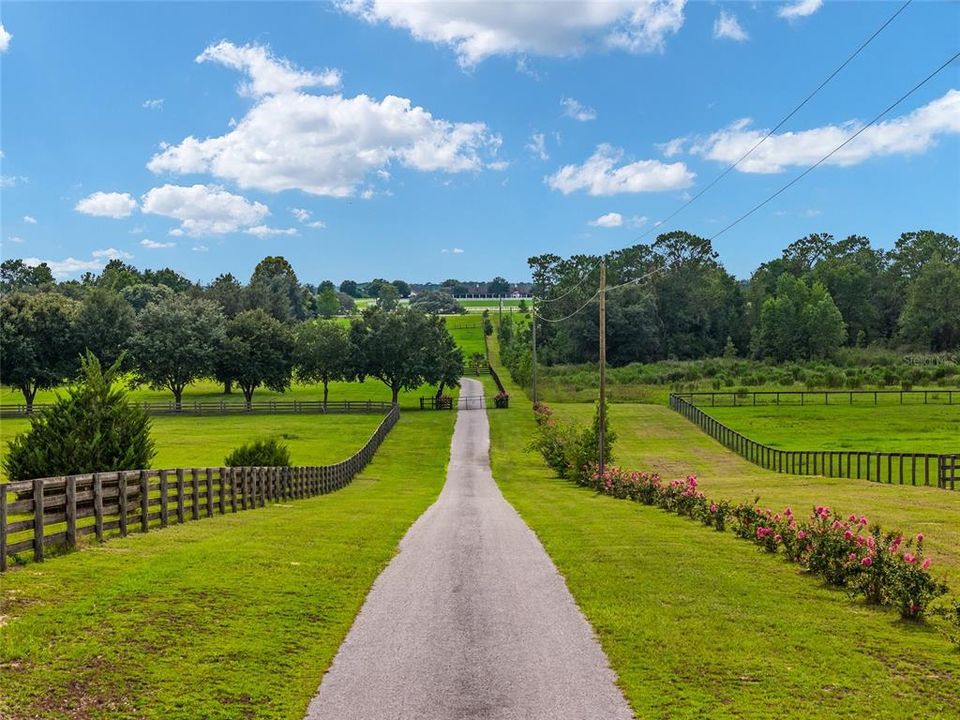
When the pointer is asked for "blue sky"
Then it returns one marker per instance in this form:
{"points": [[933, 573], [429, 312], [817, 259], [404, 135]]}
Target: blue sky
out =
{"points": [[456, 140]]}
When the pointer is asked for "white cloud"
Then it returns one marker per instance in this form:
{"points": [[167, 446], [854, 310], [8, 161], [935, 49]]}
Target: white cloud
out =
{"points": [[300, 214], [154, 245], [478, 29], [5, 38], [304, 216], [324, 144], [914, 132], [610, 220], [14, 239], [112, 254], [200, 248], [203, 209], [9, 181], [524, 68], [29, 220], [268, 74], [574, 109], [107, 204], [538, 146], [318, 224], [672, 148], [453, 251], [156, 104], [599, 175], [66, 267], [264, 231], [799, 8], [727, 26]]}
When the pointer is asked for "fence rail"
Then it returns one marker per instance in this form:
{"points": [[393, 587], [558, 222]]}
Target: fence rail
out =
{"points": [[733, 398], [225, 407], [902, 468], [35, 514]]}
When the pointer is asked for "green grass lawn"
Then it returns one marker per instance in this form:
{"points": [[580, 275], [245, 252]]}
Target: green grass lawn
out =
{"points": [[205, 441], [909, 429], [700, 624], [227, 617], [468, 334]]}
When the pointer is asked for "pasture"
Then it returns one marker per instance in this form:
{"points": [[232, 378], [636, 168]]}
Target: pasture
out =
{"points": [[233, 616]]}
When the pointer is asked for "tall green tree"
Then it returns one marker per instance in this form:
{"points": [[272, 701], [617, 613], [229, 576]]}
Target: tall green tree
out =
{"points": [[799, 321], [38, 346], [498, 286], [402, 349], [275, 289], [322, 353], [16, 275], [388, 298], [104, 324], [142, 294], [931, 317], [351, 288], [258, 352], [176, 343], [328, 302]]}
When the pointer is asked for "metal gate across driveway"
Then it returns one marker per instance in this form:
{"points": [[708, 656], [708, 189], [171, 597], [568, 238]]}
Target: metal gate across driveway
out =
{"points": [[471, 402]]}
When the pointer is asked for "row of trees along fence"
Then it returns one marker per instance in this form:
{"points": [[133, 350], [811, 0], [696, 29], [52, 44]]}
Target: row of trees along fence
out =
{"points": [[902, 468], [226, 407], [736, 398], [36, 514]]}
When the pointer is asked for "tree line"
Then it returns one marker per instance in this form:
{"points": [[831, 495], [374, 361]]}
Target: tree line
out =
{"points": [[168, 332], [820, 295]]}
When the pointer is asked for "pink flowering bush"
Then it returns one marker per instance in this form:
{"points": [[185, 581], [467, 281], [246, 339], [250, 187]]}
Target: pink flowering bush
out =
{"points": [[881, 567]]}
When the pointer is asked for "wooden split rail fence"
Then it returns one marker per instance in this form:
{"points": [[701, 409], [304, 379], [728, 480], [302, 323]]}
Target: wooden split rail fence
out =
{"points": [[734, 398], [35, 514], [903, 468], [224, 407]]}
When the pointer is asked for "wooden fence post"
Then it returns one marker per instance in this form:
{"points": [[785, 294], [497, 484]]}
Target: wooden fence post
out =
{"points": [[223, 491], [209, 480], [195, 493], [98, 506], [122, 501], [180, 495], [38, 520], [71, 498], [3, 531], [164, 496], [144, 501]]}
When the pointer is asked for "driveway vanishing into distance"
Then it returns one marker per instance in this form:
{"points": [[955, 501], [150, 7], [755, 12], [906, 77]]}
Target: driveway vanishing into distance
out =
{"points": [[471, 619]]}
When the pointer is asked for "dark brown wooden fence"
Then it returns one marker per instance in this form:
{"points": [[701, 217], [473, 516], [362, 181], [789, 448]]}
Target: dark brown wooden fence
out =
{"points": [[903, 468], [35, 514], [226, 407], [733, 398]]}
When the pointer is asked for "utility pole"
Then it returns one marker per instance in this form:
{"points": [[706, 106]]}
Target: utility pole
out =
{"points": [[533, 319], [602, 431]]}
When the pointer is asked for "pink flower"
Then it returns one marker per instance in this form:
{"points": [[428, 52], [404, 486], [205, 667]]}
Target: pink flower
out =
{"points": [[919, 537], [801, 535], [778, 537], [909, 558], [870, 542], [852, 518], [847, 535], [867, 561], [853, 557], [926, 563], [713, 507], [863, 519]]}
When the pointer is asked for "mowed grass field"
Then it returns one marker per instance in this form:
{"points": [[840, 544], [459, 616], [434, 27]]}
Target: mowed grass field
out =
{"points": [[228, 617], [700, 624], [205, 441], [907, 428]]}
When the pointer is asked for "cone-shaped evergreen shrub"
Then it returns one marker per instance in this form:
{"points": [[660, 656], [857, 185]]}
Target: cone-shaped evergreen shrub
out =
{"points": [[92, 429]]}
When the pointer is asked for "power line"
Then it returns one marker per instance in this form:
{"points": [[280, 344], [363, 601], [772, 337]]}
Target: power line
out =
{"points": [[806, 172], [779, 125], [658, 225], [567, 317]]}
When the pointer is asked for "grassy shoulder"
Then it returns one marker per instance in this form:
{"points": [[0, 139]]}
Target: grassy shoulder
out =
{"points": [[205, 441], [907, 428], [229, 617], [700, 624]]}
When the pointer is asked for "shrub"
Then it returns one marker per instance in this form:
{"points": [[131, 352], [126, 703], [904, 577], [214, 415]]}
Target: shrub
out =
{"points": [[93, 429], [269, 452]]}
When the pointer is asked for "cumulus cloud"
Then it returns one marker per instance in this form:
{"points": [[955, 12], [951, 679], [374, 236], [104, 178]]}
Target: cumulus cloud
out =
{"points": [[304, 216], [610, 220], [156, 104], [154, 245], [9, 181], [200, 248], [5, 38], [29, 220], [14, 239], [574, 109], [672, 148], [112, 254], [727, 26], [66, 267], [912, 133], [601, 175], [800, 8], [453, 251], [538, 146], [478, 29], [264, 231], [107, 204], [325, 144], [203, 209], [266, 73]]}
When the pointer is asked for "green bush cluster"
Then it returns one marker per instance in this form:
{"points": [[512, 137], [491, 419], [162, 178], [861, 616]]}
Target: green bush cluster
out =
{"points": [[269, 452], [570, 450]]}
